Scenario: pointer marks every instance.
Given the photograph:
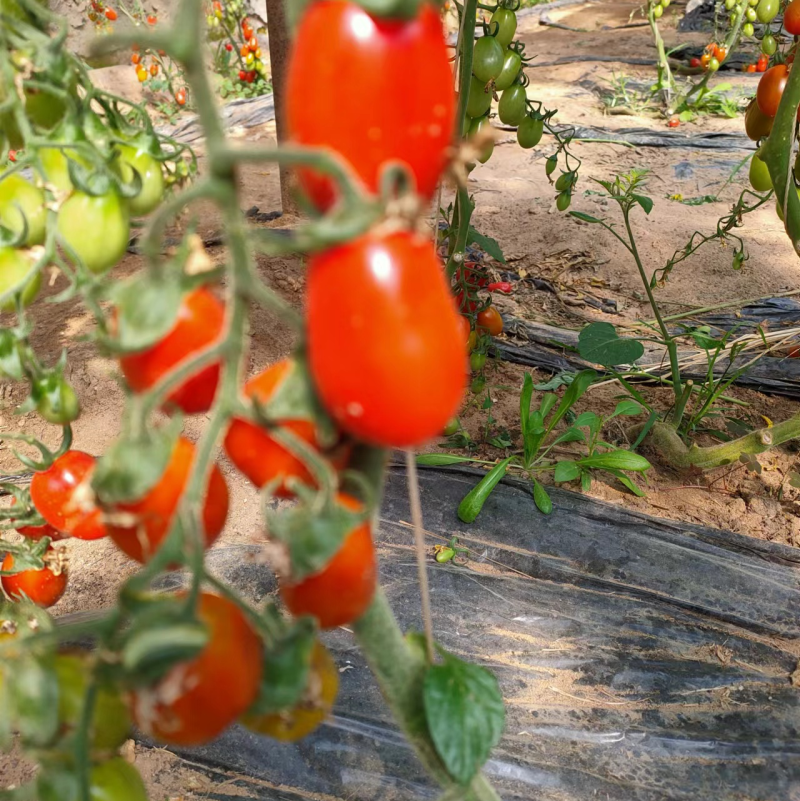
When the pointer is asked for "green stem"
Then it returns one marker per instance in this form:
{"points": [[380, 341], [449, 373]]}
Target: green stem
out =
{"points": [[666, 82]]}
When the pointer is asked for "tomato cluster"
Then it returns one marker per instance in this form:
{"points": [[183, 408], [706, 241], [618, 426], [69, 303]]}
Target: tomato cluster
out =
{"points": [[658, 7]]}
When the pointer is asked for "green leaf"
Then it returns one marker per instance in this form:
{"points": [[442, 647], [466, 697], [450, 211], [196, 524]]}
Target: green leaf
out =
{"points": [[626, 482], [487, 244], [645, 430], [541, 498], [563, 379], [525, 404], [586, 480], [465, 715], [645, 202], [600, 343], [628, 407], [585, 217], [566, 471], [616, 460], [588, 420], [287, 663], [473, 501], [794, 479], [151, 651], [10, 357], [547, 403], [441, 459], [570, 435], [579, 385], [34, 691]]}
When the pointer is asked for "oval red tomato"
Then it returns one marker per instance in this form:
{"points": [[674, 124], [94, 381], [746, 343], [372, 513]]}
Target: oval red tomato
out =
{"points": [[37, 532], [201, 318], [197, 700], [791, 18], [44, 587], [770, 89], [62, 496], [154, 512], [341, 592], [385, 343], [373, 90], [489, 320]]}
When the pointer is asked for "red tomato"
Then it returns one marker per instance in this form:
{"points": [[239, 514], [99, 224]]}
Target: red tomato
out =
{"points": [[345, 75], [750, 68], [490, 320], [794, 353], [258, 455], [705, 58], [770, 89], [156, 509], [791, 18], [673, 122], [44, 587], [694, 62], [111, 14], [197, 700], [762, 64], [384, 340], [37, 532], [500, 286], [200, 321], [62, 496], [341, 592]]}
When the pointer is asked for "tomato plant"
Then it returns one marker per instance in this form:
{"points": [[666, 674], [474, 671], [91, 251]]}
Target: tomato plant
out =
{"points": [[43, 587]]}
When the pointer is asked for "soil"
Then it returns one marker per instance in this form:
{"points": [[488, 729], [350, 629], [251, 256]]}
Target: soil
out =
{"points": [[515, 205]]}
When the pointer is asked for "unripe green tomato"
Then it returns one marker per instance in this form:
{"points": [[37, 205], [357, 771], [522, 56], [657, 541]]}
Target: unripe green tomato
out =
{"points": [[512, 64], [506, 21], [734, 17], [565, 181], [713, 65], [512, 107], [748, 29], [530, 131], [658, 11], [114, 780], [14, 266], [729, 4], [21, 204], [57, 402], [477, 361], [488, 58], [479, 100], [767, 10], [451, 427], [665, 3], [563, 200], [769, 45], [779, 208], [550, 165], [738, 259], [476, 126], [750, 14], [477, 386], [152, 177], [797, 167], [55, 165], [752, 3], [759, 175]]}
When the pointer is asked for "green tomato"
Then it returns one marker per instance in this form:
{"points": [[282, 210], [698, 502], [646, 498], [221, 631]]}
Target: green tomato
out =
{"points": [[530, 131], [151, 174], [734, 17], [57, 402], [22, 203], [512, 107], [114, 780], [769, 45], [797, 167], [15, 267], [95, 228], [565, 181], [451, 427], [779, 208], [767, 10], [487, 59], [665, 3], [477, 361], [658, 11], [759, 175], [506, 26], [55, 165], [750, 14], [512, 64], [729, 4], [476, 127], [478, 385], [110, 719], [713, 65], [550, 165], [563, 200], [747, 30], [479, 100]]}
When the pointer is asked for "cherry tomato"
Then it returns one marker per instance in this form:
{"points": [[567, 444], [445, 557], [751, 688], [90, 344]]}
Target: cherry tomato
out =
{"points": [[180, 97], [750, 68], [756, 124], [694, 62], [152, 177], [472, 341], [15, 265], [61, 498], [37, 532], [154, 69], [339, 46], [762, 64], [110, 719], [713, 65], [512, 107], [135, 58], [114, 780], [198, 699], [791, 18], [760, 178], [111, 14], [96, 229], [55, 164], [44, 587], [451, 427], [768, 44], [674, 122], [141, 74], [770, 89], [748, 29], [488, 57], [257, 454], [477, 361], [294, 724], [477, 126], [500, 286], [383, 300], [705, 58], [506, 21], [57, 402], [154, 511], [152, 19], [767, 10], [200, 321], [479, 99], [465, 326], [341, 592], [512, 64], [489, 320], [229, 47], [21, 204], [529, 132]]}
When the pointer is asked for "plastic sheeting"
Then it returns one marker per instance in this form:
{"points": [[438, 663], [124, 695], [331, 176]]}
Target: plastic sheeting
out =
{"points": [[640, 659]]}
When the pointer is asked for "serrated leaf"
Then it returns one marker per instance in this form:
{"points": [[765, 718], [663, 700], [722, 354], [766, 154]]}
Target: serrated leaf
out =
{"points": [[541, 498], [473, 501], [465, 715], [645, 202], [616, 460], [566, 471], [486, 243], [600, 343], [585, 217], [627, 407], [441, 459]]}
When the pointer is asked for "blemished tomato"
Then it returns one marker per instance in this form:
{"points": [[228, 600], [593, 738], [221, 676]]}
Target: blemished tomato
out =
{"points": [[506, 21], [488, 58], [477, 126], [96, 229], [154, 511], [383, 300], [339, 46], [200, 321], [37, 532], [198, 699], [756, 124], [479, 99], [21, 204], [110, 719], [294, 724], [791, 18], [529, 132], [114, 780], [341, 592], [512, 64], [489, 320], [512, 107], [760, 178], [44, 587], [770, 89], [15, 265], [148, 199], [257, 454], [60, 495]]}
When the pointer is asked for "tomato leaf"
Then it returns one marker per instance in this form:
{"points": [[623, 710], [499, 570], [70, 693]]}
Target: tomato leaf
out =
{"points": [[465, 714], [486, 243], [33, 687], [585, 217], [645, 202], [441, 459], [287, 663], [541, 498], [566, 471], [600, 343], [616, 460], [473, 501], [10, 358]]}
